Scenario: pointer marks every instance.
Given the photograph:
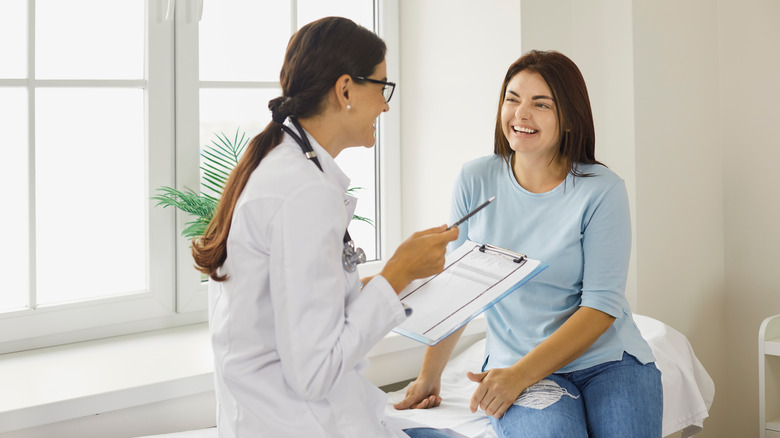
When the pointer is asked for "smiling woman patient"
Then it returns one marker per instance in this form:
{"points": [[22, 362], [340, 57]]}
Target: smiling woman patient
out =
{"points": [[290, 324], [564, 357]]}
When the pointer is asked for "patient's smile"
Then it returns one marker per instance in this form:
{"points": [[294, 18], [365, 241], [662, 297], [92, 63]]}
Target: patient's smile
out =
{"points": [[524, 130]]}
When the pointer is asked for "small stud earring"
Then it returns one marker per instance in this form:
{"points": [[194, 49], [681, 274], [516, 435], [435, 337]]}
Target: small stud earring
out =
{"points": [[349, 107]]}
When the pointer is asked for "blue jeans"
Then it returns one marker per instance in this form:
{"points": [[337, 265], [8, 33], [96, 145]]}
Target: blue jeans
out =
{"points": [[615, 399]]}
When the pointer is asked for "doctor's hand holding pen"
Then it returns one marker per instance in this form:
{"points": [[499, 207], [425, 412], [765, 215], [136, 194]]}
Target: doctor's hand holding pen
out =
{"points": [[419, 256]]}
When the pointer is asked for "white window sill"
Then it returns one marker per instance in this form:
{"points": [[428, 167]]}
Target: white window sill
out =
{"points": [[87, 378], [78, 380]]}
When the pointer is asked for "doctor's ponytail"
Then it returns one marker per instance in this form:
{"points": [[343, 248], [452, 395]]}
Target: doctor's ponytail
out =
{"points": [[317, 55]]}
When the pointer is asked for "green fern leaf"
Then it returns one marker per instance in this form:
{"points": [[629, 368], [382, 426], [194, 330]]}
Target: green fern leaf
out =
{"points": [[219, 160]]}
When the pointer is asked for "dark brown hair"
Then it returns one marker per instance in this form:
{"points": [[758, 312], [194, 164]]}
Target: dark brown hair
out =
{"points": [[575, 118], [317, 55]]}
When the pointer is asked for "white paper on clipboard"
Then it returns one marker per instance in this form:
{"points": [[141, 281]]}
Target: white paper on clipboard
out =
{"points": [[475, 277]]}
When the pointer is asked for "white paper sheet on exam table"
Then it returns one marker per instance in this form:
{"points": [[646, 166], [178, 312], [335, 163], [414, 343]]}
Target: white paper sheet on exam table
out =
{"points": [[475, 277]]}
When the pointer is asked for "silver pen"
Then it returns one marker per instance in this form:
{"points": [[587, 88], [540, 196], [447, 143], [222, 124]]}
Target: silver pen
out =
{"points": [[472, 212]]}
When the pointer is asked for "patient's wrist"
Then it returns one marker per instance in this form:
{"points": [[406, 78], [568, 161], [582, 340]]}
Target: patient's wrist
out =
{"points": [[431, 372]]}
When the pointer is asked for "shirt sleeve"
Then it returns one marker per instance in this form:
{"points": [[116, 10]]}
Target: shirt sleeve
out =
{"points": [[606, 244], [324, 325], [461, 198]]}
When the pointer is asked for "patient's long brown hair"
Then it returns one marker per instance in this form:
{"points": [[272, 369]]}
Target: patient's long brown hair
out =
{"points": [[317, 55], [575, 118]]}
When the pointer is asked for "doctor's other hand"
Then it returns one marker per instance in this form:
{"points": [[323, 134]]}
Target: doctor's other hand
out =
{"points": [[421, 394], [419, 256]]}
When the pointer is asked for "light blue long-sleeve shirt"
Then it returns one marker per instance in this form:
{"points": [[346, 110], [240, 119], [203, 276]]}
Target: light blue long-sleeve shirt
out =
{"points": [[582, 229]]}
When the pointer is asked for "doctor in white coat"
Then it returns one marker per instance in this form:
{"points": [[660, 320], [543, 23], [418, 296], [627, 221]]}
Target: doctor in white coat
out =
{"points": [[290, 322]]}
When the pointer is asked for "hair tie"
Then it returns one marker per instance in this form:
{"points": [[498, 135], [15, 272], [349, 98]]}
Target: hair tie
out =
{"points": [[278, 118], [281, 108]]}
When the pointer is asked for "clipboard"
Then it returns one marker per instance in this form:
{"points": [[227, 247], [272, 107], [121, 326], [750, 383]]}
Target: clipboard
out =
{"points": [[475, 277]]}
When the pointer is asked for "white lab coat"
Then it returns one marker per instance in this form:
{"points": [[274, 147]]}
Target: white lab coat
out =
{"points": [[290, 327]]}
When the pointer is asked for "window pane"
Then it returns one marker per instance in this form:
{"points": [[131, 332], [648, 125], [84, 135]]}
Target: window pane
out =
{"points": [[358, 164], [243, 40], [359, 11], [89, 39], [13, 34], [91, 197], [226, 111], [15, 256]]}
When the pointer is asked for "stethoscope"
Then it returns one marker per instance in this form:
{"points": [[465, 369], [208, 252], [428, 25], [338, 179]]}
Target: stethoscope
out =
{"points": [[351, 256]]}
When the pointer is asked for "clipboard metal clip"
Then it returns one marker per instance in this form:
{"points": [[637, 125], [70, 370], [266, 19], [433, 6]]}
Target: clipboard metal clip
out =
{"points": [[515, 257]]}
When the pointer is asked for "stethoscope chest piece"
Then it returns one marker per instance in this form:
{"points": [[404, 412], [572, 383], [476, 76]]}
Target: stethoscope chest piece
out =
{"points": [[352, 256]]}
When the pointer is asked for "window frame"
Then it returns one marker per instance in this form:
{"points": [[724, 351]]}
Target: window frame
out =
{"points": [[175, 296], [47, 325]]}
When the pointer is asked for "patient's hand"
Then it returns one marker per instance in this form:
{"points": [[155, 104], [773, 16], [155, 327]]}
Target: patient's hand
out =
{"points": [[498, 389], [421, 394]]}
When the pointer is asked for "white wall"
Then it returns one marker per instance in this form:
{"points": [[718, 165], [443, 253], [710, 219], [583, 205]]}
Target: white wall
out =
{"points": [[749, 62], [454, 55], [679, 161]]}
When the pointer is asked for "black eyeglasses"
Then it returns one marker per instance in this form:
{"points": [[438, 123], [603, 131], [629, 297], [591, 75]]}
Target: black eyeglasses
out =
{"points": [[387, 90]]}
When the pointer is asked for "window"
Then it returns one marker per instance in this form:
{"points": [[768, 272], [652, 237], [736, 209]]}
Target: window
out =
{"points": [[102, 103]]}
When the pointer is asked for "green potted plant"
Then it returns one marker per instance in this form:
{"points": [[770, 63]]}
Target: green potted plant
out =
{"points": [[219, 159]]}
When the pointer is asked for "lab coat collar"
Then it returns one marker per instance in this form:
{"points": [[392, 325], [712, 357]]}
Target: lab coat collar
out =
{"points": [[327, 162], [331, 170]]}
